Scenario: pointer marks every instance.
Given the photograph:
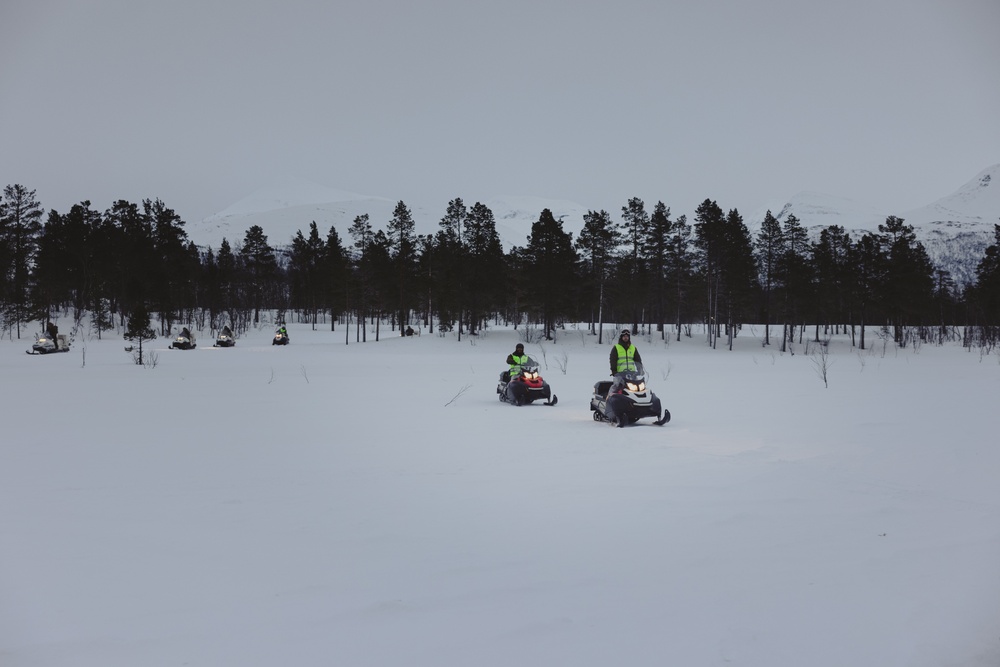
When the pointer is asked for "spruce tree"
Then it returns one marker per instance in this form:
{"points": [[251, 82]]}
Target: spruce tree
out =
{"points": [[138, 329], [553, 268]]}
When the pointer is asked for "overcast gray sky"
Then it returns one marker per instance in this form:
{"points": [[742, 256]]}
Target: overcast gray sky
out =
{"points": [[199, 103]]}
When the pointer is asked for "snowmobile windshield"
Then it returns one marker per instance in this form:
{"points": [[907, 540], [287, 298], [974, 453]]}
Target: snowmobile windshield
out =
{"points": [[529, 369], [632, 380]]}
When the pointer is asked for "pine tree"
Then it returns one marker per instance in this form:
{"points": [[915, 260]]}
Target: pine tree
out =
{"points": [[138, 329], [403, 253], [306, 263], [337, 282], [909, 279], [709, 229], [260, 265], [796, 276], [985, 293], [171, 283], [599, 241], [553, 263], [362, 235], [831, 258], [655, 248], [869, 276], [484, 265], [448, 263], [680, 262], [20, 226], [635, 227], [769, 246]]}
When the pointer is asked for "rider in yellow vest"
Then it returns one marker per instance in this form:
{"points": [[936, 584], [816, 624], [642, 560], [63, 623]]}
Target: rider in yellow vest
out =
{"points": [[624, 355], [515, 359]]}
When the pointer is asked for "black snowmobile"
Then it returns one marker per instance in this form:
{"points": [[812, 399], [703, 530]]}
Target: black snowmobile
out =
{"points": [[225, 338], [183, 341], [624, 400], [46, 344], [280, 337], [526, 386]]}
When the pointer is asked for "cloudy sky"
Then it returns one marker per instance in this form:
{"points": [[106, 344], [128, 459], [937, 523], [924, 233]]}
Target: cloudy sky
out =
{"points": [[199, 103]]}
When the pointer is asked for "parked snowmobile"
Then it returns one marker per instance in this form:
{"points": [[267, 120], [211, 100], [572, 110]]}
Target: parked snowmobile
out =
{"points": [[45, 344], [225, 338], [525, 386], [625, 399], [183, 341], [280, 337]]}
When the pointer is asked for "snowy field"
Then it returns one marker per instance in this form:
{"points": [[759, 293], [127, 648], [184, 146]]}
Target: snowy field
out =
{"points": [[375, 505]]}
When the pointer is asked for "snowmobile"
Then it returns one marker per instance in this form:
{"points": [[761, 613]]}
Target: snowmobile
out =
{"points": [[525, 387], [225, 338], [280, 337], [184, 341], [45, 344], [625, 399]]}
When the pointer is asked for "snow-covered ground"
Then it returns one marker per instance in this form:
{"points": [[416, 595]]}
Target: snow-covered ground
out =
{"points": [[375, 505]]}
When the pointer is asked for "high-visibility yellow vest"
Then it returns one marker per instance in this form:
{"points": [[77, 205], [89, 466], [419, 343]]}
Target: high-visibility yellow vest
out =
{"points": [[626, 361], [515, 368]]}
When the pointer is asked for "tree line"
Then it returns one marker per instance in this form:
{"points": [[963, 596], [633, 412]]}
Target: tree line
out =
{"points": [[647, 269]]}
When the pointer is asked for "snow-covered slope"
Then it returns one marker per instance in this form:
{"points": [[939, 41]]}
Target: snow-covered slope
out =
{"points": [[955, 229], [816, 210], [974, 207], [515, 215], [283, 210]]}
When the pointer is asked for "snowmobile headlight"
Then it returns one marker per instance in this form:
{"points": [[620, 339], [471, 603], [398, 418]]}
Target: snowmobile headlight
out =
{"points": [[642, 386], [632, 386]]}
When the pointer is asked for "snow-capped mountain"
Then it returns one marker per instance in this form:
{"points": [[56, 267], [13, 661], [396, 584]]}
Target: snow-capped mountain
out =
{"points": [[955, 229]]}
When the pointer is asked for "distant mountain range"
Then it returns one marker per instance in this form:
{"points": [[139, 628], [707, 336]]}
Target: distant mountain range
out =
{"points": [[955, 229], [283, 210]]}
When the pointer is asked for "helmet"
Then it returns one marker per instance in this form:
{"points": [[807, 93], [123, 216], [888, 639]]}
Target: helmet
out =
{"points": [[625, 332], [519, 346]]}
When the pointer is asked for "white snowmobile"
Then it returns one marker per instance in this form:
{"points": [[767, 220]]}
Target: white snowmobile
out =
{"points": [[183, 341], [225, 338], [45, 344]]}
